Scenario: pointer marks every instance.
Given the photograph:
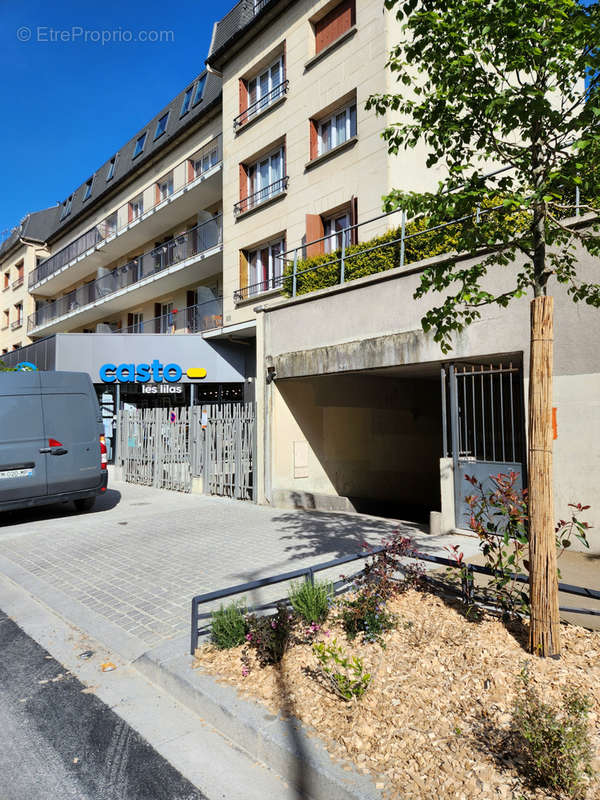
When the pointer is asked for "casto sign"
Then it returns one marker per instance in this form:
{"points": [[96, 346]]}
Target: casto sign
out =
{"points": [[154, 372]]}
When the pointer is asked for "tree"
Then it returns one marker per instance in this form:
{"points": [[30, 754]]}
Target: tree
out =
{"points": [[502, 82]]}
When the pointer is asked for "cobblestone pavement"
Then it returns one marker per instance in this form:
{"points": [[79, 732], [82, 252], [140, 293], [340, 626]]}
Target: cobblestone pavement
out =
{"points": [[140, 556]]}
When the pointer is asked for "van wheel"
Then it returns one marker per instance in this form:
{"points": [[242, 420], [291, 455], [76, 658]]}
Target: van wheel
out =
{"points": [[85, 503]]}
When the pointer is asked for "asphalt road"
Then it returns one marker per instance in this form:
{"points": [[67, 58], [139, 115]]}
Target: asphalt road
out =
{"points": [[57, 741]]}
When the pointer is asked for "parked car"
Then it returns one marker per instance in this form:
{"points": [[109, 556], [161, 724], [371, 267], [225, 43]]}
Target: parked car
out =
{"points": [[52, 445]]}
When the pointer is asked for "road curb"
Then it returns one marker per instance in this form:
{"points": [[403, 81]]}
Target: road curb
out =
{"points": [[282, 744]]}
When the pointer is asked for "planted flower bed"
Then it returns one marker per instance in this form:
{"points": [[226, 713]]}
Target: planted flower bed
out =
{"points": [[428, 699]]}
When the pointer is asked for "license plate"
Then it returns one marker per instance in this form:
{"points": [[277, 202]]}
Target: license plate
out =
{"points": [[16, 473]]}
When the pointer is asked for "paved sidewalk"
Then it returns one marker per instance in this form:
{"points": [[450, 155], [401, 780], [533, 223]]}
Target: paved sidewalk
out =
{"points": [[142, 554]]}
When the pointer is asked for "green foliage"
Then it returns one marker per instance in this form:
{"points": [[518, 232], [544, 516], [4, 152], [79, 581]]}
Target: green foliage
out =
{"points": [[499, 83], [228, 626], [366, 614], [270, 636], [4, 368], [553, 743], [311, 600], [346, 675]]}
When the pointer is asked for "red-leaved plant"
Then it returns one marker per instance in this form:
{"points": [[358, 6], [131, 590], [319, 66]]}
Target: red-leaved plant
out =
{"points": [[500, 518]]}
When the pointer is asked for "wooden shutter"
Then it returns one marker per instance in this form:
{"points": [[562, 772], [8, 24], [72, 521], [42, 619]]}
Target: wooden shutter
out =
{"points": [[243, 272], [354, 219], [243, 92], [243, 186], [157, 194], [191, 172], [130, 212], [314, 230], [156, 317], [333, 25], [314, 140]]}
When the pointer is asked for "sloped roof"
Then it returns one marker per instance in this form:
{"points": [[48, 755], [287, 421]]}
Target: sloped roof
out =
{"points": [[237, 23], [35, 227], [126, 164]]}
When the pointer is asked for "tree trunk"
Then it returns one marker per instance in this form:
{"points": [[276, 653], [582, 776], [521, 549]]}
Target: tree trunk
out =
{"points": [[544, 631]]}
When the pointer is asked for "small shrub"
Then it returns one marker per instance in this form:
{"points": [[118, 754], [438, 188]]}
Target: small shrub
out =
{"points": [[554, 744], [346, 675], [270, 636], [380, 574], [311, 600], [366, 614], [228, 626]]}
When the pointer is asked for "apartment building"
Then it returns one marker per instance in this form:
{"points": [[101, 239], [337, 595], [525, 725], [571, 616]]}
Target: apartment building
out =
{"points": [[174, 254], [20, 253]]}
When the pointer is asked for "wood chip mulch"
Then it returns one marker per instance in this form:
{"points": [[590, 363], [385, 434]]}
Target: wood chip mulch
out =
{"points": [[434, 721]]}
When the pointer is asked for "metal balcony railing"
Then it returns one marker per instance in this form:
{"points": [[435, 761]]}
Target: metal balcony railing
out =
{"points": [[261, 105], [16, 324], [193, 319], [261, 196], [18, 282], [253, 289], [204, 159], [203, 237]]}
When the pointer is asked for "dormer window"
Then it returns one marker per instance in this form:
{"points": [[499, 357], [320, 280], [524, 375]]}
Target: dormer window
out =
{"points": [[111, 168], [139, 145], [161, 126], [187, 99], [88, 189], [199, 90], [66, 207]]}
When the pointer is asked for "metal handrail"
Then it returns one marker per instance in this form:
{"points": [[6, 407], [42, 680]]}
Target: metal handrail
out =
{"points": [[309, 572], [17, 323], [261, 196], [18, 282], [271, 284], [108, 227], [202, 237], [261, 104], [194, 319]]}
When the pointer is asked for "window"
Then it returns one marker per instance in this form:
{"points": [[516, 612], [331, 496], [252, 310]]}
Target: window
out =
{"points": [[187, 99], [6, 280], [88, 189], [199, 90], [265, 268], [336, 129], [4, 351], [66, 207], [335, 230], [261, 91], [334, 24], [139, 145], [108, 227], [135, 323], [264, 179], [17, 346], [20, 274], [111, 168], [259, 4], [136, 208], [19, 316], [161, 126], [166, 317], [164, 188], [5, 319], [204, 162]]}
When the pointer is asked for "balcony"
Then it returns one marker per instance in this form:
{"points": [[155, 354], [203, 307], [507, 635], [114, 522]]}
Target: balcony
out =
{"points": [[191, 185], [259, 106], [18, 282], [193, 319], [165, 265], [261, 197]]}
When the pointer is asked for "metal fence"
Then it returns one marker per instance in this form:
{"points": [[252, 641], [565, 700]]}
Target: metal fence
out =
{"points": [[465, 592], [168, 447], [197, 240]]}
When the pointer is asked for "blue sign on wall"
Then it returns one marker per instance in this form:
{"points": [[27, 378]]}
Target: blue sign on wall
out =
{"points": [[143, 373]]}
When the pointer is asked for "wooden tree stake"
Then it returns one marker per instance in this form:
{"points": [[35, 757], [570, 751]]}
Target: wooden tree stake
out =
{"points": [[544, 631]]}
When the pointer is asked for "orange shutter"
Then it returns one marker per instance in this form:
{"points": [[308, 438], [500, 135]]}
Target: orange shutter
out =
{"points": [[191, 173], [243, 186], [314, 230], [333, 25], [243, 92], [130, 212], [156, 194], [243, 269], [314, 143]]}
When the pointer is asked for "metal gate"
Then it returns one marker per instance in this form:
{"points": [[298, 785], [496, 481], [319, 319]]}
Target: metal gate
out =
{"points": [[168, 447], [484, 403]]}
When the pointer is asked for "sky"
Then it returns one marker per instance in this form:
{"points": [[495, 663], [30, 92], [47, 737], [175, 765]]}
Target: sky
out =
{"points": [[70, 102]]}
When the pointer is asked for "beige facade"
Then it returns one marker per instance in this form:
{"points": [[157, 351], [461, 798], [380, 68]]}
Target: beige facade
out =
{"points": [[16, 264], [346, 73]]}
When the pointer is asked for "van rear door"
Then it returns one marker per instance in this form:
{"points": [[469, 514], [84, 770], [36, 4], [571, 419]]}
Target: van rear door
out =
{"points": [[72, 425], [22, 465]]}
